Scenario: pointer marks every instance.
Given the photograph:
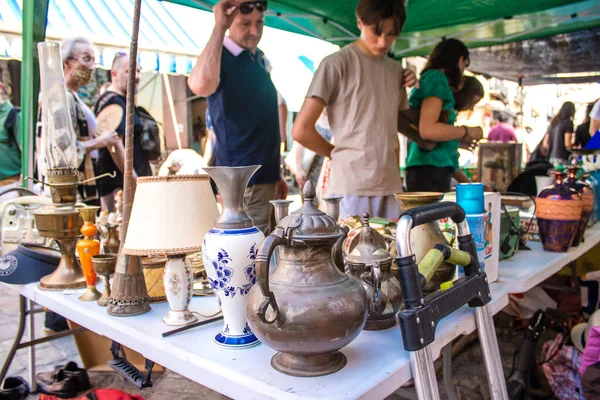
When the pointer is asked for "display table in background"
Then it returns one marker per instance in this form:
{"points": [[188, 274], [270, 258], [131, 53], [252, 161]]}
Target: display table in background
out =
{"points": [[527, 269]]}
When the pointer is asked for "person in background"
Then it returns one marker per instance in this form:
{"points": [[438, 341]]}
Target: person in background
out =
{"points": [[10, 145], [443, 74], [503, 131], [232, 73], [363, 90], [103, 88], [313, 171], [283, 115], [113, 160], [469, 94], [582, 133], [595, 118], [78, 64], [559, 137], [465, 100]]}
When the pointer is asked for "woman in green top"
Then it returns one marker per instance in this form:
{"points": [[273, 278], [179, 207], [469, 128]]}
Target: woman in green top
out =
{"points": [[432, 170]]}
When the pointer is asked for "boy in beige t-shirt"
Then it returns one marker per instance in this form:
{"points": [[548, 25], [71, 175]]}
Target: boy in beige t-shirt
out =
{"points": [[363, 90]]}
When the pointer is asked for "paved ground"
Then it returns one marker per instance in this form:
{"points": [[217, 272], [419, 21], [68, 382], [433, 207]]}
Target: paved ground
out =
{"points": [[469, 377]]}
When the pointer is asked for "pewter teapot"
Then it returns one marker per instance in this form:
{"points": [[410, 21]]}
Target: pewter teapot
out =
{"points": [[371, 264], [306, 308]]}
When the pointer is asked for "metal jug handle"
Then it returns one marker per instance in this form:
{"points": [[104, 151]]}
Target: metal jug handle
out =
{"points": [[376, 279], [263, 260]]}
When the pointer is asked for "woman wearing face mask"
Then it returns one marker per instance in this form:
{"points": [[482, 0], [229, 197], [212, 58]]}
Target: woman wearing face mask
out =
{"points": [[432, 170], [78, 64]]}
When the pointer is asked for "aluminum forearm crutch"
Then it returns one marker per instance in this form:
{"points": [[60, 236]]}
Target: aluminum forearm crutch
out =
{"points": [[420, 315]]}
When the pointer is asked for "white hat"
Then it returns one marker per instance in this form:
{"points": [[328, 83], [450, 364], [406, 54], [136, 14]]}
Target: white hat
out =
{"points": [[580, 332]]}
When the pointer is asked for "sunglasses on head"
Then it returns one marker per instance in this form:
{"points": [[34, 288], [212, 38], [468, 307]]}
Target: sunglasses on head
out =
{"points": [[249, 6]]}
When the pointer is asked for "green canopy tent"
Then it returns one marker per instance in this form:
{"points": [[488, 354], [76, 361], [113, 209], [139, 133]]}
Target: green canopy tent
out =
{"points": [[477, 23]]}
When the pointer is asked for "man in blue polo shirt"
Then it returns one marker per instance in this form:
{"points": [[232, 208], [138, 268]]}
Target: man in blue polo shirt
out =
{"points": [[232, 73]]}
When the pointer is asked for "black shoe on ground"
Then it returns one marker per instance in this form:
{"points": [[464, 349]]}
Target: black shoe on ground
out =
{"points": [[14, 388], [56, 383], [79, 375]]}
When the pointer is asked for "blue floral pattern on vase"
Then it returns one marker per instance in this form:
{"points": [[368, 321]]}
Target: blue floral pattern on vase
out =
{"points": [[223, 272], [250, 271]]}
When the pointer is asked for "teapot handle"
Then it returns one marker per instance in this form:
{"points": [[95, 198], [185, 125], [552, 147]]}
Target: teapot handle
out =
{"points": [[263, 260], [373, 279], [376, 279]]}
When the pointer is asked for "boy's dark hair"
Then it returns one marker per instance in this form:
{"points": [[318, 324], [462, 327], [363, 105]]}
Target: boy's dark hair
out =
{"points": [[446, 55], [374, 12]]}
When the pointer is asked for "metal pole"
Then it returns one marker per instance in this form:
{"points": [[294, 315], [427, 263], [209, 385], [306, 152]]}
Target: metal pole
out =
{"points": [[128, 184], [35, 14], [172, 109], [20, 330], [491, 353], [423, 372], [31, 316], [447, 368], [403, 236]]}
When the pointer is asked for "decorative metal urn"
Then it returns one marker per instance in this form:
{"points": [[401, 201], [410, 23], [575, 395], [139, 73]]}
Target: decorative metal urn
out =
{"points": [[306, 309]]}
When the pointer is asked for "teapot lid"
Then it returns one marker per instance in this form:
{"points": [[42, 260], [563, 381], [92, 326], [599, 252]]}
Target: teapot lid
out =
{"points": [[368, 250], [308, 224]]}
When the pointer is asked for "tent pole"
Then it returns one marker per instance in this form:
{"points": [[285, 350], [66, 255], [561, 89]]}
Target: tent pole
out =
{"points": [[35, 13], [172, 109]]}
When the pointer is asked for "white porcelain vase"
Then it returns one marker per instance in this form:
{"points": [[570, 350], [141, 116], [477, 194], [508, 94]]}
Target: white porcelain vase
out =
{"points": [[229, 252], [229, 257]]}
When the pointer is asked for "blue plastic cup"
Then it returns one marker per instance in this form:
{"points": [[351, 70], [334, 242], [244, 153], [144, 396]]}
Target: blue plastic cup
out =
{"points": [[470, 197]]}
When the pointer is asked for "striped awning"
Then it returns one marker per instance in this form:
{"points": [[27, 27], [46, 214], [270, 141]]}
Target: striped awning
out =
{"points": [[165, 44]]}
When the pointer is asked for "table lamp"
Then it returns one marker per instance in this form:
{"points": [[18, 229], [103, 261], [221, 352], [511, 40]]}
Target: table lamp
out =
{"points": [[170, 216], [59, 221]]}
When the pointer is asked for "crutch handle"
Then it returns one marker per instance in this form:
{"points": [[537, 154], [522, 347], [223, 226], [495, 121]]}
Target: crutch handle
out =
{"points": [[434, 212]]}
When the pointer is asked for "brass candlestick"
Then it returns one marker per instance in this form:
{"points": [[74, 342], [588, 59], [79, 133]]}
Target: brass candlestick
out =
{"points": [[87, 248]]}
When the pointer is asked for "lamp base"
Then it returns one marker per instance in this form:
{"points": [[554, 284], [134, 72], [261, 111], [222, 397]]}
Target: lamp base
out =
{"points": [[92, 294], [178, 283], [68, 274], [179, 318]]}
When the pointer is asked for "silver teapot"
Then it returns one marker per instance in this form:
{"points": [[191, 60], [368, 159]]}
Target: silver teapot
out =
{"points": [[370, 263]]}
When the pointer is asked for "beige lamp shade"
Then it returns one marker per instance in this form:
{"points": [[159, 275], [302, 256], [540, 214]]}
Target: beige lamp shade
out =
{"points": [[170, 215]]}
